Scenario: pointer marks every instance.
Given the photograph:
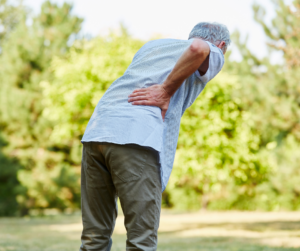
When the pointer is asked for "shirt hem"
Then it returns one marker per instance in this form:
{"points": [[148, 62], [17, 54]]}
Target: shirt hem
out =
{"points": [[121, 143]]}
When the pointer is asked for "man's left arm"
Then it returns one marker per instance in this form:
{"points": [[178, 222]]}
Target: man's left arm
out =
{"points": [[187, 64], [194, 60]]}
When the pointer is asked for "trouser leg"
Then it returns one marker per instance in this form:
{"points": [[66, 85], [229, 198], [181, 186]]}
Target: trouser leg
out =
{"points": [[136, 176], [98, 200]]}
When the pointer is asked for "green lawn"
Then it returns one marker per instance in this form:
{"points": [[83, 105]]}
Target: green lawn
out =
{"points": [[224, 231]]}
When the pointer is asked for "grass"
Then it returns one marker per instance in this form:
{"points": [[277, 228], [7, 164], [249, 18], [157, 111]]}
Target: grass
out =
{"points": [[209, 231]]}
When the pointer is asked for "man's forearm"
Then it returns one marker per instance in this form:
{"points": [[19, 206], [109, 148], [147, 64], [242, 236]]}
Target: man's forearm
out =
{"points": [[188, 63], [160, 95]]}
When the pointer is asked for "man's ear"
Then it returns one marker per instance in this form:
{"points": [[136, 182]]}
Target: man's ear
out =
{"points": [[221, 45]]}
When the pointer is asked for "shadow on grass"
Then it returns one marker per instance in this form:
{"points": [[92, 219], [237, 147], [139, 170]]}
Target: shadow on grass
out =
{"points": [[35, 235], [167, 242], [289, 226]]}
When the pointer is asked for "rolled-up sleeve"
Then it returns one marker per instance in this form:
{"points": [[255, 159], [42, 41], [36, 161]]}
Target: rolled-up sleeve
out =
{"points": [[216, 62]]}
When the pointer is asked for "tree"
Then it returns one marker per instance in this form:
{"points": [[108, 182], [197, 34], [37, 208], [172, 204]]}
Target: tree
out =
{"points": [[270, 98], [10, 15], [217, 163], [25, 61], [271, 94], [282, 132]]}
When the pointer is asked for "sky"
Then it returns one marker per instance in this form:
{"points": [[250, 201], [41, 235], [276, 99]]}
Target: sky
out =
{"points": [[169, 18]]}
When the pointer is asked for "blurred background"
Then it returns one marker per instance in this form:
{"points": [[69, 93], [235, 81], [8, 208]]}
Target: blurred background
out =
{"points": [[239, 143]]}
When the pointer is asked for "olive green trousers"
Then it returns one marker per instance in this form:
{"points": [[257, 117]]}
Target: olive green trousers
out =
{"points": [[130, 172]]}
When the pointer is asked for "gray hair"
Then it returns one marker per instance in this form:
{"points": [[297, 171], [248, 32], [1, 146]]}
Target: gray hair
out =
{"points": [[212, 32]]}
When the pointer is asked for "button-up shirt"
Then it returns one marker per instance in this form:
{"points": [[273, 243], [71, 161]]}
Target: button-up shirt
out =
{"points": [[116, 121]]}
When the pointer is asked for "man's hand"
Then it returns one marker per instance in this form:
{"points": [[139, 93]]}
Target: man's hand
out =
{"points": [[154, 95]]}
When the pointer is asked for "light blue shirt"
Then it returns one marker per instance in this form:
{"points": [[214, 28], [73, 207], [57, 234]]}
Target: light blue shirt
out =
{"points": [[116, 121]]}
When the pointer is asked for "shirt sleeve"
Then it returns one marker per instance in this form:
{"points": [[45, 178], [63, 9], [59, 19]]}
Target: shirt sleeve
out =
{"points": [[216, 62]]}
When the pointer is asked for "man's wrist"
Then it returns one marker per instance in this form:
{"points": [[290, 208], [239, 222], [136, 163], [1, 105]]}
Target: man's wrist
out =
{"points": [[166, 91]]}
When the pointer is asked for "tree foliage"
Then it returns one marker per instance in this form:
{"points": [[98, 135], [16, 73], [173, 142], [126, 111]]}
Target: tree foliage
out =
{"points": [[10, 16], [239, 142], [25, 61], [217, 163], [278, 113]]}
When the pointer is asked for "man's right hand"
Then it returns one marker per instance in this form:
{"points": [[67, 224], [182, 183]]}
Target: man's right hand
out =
{"points": [[154, 95]]}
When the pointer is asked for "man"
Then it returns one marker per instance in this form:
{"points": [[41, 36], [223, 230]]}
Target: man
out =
{"points": [[131, 138]]}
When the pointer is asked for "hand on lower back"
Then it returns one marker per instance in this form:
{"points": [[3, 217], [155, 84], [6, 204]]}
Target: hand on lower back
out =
{"points": [[154, 95]]}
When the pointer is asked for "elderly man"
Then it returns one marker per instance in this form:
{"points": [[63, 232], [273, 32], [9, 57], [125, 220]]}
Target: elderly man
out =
{"points": [[130, 140]]}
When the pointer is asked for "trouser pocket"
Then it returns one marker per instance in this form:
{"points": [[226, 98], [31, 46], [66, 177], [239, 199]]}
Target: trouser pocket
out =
{"points": [[128, 162]]}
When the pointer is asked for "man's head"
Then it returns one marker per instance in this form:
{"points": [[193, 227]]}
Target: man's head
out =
{"points": [[215, 33]]}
